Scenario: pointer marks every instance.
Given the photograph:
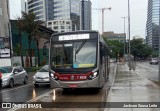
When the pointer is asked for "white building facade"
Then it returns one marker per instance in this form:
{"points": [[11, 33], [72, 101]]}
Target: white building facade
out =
{"points": [[60, 25]]}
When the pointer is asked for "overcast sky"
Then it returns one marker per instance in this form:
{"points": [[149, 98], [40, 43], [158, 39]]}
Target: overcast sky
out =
{"points": [[113, 20]]}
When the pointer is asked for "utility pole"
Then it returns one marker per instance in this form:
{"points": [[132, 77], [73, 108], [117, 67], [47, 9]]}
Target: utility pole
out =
{"points": [[102, 9], [129, 53], [159, 46], [124, 33]]}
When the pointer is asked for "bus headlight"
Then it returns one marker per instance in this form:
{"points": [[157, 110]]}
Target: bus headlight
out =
{"points": [[54, 76], [93, 75]]}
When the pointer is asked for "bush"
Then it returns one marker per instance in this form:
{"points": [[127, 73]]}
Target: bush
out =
{"points": [[32, 69]]}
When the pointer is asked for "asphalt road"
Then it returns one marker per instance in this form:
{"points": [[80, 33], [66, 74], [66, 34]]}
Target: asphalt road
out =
{"points": [[147, 70], [21, 92], [28, 93]]}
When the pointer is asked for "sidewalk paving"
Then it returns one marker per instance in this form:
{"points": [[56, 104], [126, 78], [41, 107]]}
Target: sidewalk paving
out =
{"points": [[129, 87]]}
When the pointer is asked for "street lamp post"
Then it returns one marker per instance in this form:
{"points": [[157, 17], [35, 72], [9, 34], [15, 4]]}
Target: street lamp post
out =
{"points": [[159, 46], [129, 36], [124, 33]]}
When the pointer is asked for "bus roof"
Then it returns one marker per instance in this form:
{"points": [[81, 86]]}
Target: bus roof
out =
{"points": [[72, 32]]}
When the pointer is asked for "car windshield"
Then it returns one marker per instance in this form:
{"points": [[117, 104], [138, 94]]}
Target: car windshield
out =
{"points": [[44, 69], [5, 69], [74, 54]]}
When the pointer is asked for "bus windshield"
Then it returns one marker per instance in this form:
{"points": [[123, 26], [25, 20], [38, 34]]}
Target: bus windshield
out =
{"points": [[81, 54]]}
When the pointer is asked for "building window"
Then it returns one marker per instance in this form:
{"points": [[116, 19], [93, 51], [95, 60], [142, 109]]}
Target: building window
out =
{"points": [[67, 22], [55, 27], [62, 27], [55, 23], [49, 23], [68, 27]]}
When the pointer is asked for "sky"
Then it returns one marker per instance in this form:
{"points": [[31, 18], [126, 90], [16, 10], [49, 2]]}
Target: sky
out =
{"points": [[112, 19]]}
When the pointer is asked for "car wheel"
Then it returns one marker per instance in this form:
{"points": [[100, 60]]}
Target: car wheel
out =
{"points": [[36, 85], [11, 83], [25, 80]]}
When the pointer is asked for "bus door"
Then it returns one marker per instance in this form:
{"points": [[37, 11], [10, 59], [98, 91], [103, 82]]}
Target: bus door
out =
{"points": [[102, 63]]}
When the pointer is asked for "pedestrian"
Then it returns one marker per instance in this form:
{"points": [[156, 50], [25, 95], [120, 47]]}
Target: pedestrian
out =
{"points": [[0, 80]]}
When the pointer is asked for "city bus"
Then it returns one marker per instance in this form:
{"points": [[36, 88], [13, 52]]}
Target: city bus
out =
{"points": [[78, 59]]}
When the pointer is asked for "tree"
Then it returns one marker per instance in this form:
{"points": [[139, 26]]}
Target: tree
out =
{"points": [[117, 48], [20, 26], [37, 34], [31, 27], [140, 50]]}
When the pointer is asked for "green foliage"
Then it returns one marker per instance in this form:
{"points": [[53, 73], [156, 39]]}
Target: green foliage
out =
{"points": [[16, 50], [116, 47], [28, 24], [32, 69], [140, 50]]}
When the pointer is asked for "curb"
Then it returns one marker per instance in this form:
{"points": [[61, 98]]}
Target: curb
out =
{"points": [[110, 90]]}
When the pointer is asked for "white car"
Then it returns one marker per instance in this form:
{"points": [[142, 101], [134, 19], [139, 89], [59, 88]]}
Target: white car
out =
{"points": [[13, 75], [41, 77], [153, 61]]}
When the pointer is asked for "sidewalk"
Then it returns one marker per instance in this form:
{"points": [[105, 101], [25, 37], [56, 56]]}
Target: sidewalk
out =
{"points": [[130, 87]]}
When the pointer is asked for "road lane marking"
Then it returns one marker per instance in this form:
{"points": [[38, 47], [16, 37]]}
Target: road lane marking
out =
{"points": [[36, 98], [147, 67], [15, 88]]}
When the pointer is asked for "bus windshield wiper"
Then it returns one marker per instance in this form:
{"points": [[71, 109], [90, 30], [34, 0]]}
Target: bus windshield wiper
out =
{"points": [[79, 48]]}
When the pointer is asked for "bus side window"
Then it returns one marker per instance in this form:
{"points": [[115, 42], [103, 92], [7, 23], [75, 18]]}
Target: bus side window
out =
{"points": [[101, 52]]}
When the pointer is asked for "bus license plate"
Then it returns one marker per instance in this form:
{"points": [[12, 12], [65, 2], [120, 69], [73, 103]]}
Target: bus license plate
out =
{"points": [[73, 85]]}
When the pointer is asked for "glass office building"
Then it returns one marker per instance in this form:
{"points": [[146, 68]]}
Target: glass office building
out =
{"points": [[68, 10], [152, 25], [85, 15], [57, 12], [38, 8]]}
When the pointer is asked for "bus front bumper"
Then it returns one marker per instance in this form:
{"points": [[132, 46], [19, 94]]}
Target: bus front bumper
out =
{"points": [[95, 83]]}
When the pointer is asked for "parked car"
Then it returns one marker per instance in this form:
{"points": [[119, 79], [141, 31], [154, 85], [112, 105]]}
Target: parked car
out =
{"points": [[41, 77], [13, 75], [153, 61]]}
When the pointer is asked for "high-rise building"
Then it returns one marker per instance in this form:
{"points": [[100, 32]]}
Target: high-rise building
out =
{"points": [[38, 7], [23, 6], [152, 25], [4, 18], [4, 30], [86, 15], [66, 12], [59, 15]]}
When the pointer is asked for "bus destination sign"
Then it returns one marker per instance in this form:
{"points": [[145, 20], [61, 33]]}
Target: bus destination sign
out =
{"points": [[73, 37]]}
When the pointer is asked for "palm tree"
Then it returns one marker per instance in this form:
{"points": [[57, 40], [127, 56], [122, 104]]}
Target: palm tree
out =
{"points": [[20, 25], [31, 27], [28, 24], [37, 35]]}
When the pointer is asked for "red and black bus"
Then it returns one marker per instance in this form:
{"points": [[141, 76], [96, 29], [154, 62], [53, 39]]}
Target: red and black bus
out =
{"points": [[78, 59]]}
